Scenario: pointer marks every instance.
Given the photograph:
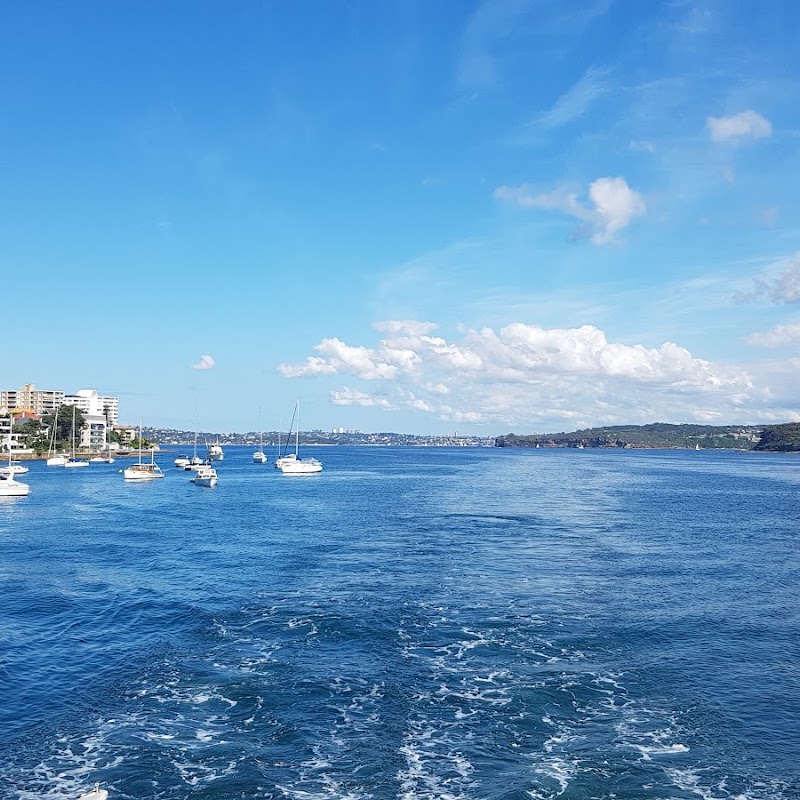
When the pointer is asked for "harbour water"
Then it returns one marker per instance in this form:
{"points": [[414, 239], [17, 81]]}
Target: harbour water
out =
{"points": [[412, 623]]}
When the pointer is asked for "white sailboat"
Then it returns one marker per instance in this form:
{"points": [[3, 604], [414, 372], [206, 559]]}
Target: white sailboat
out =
{"points": [[9, 486], [193, 464], [141, 470], [285, 458], [74, 461], [55, 459], [260, 457], [297, 465]]}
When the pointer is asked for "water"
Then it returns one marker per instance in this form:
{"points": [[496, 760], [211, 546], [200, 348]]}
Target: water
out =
{"points": [[412, 623]]}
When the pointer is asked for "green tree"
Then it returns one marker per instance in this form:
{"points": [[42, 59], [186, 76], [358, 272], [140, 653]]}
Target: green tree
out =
{"points": [[33, 435], [63, 423]]}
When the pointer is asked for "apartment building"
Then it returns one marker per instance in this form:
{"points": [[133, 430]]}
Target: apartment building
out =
{"points": [[93, 404], [39, 401]]}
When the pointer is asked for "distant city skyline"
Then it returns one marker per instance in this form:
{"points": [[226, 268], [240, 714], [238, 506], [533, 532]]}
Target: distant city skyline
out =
{"points": [[484, 217]]}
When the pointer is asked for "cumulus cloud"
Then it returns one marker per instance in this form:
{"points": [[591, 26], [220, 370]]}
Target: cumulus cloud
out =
{"points": [[613, 205], [745, 125], [338, 357], [524, 373], [205, 362], [779, 336]]}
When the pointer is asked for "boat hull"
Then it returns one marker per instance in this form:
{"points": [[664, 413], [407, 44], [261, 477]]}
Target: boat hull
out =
{"points": [[11, 488], [300, 467]]}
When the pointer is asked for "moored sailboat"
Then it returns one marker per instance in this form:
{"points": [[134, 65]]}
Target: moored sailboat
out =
{"points": [[260, 457], [9, 486], [297, 465], [74, 461]]}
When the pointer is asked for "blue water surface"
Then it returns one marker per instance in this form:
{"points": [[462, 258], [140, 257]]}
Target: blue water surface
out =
{"points": [[449, 623]]}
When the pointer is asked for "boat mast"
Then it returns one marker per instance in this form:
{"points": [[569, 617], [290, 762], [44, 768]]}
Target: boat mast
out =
{"points": [[297, 431]]}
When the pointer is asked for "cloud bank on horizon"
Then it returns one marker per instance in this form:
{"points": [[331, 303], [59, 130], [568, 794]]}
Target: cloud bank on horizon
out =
{"points": [[525, 374]]}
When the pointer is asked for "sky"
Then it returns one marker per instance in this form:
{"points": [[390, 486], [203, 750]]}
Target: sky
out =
{"points": [[463, 216]]}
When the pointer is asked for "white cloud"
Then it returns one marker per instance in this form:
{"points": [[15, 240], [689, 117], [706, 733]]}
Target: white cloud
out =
{"points": [[206, 362], [352, 397], [405, 326], [613, 205], [524, 374], [368, 364], [779, 336], [746, 125], [783, 287], [575, 101]]}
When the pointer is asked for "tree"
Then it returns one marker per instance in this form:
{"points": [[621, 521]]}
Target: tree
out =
{"points": [[32, 435], [63, 423]]}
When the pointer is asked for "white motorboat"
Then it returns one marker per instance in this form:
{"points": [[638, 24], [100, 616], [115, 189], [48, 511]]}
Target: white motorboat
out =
{"points": [[56, 461], [9, 487], [297, 465], [13, 468], [142, 470], [215, 452], [260, 457], [181, 461], [96, 794], [205, 475]]}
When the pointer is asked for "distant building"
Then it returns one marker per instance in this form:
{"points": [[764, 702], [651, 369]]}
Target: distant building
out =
{"points": [[27, 398], [93, 404]]}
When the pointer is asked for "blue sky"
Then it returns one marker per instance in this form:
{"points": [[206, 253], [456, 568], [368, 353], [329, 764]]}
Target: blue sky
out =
{"points": [[483, 217]]}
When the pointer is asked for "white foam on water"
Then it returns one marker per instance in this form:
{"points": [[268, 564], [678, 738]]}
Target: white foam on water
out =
{"points": [[658, 750]]}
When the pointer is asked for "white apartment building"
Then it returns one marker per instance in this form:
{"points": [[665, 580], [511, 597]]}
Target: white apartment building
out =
{"points": [[93, 432], [39, 401], [12, 441], [95, 405]]}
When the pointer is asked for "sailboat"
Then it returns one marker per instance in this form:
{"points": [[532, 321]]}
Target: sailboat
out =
{"points": [[196, 462], [296, 465], [55, 459], [9, 486], [74, 461], [141, 470], [260, 457]]}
